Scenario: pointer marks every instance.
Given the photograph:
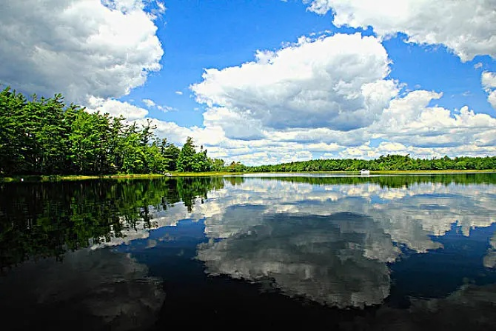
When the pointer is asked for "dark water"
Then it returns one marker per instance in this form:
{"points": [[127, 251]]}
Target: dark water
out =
{"points": [[347, 253]]}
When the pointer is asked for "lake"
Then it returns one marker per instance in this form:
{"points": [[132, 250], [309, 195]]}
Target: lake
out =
{"points": [[409, 252]]}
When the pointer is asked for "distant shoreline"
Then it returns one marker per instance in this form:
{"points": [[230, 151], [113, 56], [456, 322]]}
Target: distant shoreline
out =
{"points": [[57, 178]]}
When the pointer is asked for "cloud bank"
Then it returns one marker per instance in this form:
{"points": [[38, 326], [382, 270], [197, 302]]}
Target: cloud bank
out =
{"points": [[83, 49], [337, 82], [331, 96], [465, 27]]}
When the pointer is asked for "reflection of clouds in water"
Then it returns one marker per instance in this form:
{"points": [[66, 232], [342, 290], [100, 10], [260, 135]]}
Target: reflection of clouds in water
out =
{"points": [[410, 220], [470, 308], [100, 289], [233, 220], [436, 212], [490, 258], [275, 235], [337, 260], [202, 208], [409, 215], [141, 229]]}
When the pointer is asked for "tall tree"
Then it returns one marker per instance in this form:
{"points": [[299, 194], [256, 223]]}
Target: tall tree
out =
{"points": [[186, 158], [170, 152]]}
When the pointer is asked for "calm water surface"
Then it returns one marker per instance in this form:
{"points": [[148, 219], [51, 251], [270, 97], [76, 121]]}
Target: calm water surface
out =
{"points": [[347, 253]]}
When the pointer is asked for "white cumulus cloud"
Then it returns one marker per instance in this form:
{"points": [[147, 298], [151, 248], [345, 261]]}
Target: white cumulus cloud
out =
{"points": [[488, 80], [489, 84], [152, 104], [149, 103], [331, 96], [79, 48], [466, 27], [337, 82], [410, 120], [116, 108]]}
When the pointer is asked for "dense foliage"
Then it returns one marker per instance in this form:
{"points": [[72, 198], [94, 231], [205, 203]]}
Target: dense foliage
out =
{"points": [[46, 137], [389, 162]]}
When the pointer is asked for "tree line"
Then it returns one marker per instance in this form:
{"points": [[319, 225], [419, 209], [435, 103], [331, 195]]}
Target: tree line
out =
{"points": [[398, 181], [46, 137], [388, 162]]}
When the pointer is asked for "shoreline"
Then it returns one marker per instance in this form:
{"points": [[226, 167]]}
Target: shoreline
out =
{"points": [[58, 178]]}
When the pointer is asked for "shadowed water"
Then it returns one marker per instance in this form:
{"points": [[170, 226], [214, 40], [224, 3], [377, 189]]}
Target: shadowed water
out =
{"points": [[348, 253]]}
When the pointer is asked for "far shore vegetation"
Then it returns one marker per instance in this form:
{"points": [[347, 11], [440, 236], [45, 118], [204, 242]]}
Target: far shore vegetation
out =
{"points": [[45, 139]]}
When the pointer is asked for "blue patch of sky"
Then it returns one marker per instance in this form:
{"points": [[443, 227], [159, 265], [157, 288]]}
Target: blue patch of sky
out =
{"points": [[374, 142]]}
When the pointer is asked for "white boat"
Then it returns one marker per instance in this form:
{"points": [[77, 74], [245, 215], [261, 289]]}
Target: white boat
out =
{"points": [[364, 172]]}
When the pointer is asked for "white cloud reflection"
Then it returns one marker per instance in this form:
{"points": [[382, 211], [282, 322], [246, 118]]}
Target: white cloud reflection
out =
{"points": [[336, 260]]}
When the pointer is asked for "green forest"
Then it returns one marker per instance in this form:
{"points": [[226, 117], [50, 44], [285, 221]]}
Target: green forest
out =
{"points": [[384, 163], [44, 136]]}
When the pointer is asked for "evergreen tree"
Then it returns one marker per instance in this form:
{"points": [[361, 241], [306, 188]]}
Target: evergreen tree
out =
{"points": [[186, 159]]}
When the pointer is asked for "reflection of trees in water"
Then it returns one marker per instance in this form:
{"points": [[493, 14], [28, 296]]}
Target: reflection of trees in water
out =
{"points": [[339, 260], [47, 219], [235, 180], [190, 188], [100, 289]]}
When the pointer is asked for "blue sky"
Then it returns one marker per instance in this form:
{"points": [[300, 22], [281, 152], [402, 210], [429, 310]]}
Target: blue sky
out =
{"points": [[270, 81]]}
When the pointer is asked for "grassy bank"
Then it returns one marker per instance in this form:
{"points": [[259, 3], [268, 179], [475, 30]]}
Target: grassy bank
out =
{"points": [[76, 177], [117, 176]]}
